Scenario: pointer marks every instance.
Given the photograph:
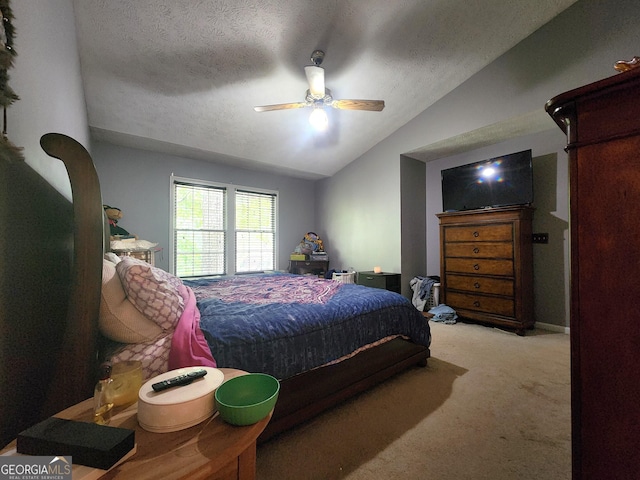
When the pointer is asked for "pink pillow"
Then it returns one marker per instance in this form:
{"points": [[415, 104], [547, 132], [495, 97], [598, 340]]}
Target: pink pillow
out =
{"points": [[153, 291]]}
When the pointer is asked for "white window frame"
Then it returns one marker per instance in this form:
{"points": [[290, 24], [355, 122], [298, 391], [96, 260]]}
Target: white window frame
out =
{"points": [[230, 224]]}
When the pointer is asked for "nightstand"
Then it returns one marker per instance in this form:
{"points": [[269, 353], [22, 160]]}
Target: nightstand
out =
{"points": [[213, 449], [386, 281], [305, 267]]}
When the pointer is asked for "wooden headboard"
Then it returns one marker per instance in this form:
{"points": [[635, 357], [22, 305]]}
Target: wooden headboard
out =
{"points": [[50, 287]]}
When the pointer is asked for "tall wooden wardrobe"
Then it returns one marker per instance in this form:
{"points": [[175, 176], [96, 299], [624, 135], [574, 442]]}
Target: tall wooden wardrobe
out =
{"points": [[602, 123]]}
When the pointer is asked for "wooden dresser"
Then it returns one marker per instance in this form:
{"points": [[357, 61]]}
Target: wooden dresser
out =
{"points": [[486, 265], [602, 123]]}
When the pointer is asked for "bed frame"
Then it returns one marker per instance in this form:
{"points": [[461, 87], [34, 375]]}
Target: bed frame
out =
{"points": [[49, 310]]}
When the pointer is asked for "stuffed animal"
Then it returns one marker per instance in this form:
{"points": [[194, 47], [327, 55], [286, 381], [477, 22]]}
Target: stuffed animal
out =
{"points": [[316, 243], [114, 214], [310, 243]]}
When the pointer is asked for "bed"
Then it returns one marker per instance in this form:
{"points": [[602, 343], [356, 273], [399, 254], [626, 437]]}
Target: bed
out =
{"points": [[334, 341], [289, 326]]}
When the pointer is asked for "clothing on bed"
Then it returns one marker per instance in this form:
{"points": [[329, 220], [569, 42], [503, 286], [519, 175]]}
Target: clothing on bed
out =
{"points": [[189, 347], [284, 324]]}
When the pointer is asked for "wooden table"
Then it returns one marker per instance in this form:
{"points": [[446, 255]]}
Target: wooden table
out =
{"points": [[212, 449]]}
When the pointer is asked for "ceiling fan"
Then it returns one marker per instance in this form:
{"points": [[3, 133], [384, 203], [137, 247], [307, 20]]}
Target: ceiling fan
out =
{"points": [[318, 96]]}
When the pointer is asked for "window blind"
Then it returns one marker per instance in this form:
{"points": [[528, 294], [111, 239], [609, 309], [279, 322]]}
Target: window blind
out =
{"points": [[255, 231], [200, 239], [221, 229]]}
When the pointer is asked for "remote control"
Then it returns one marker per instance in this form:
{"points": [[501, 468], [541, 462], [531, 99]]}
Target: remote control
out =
{"points": [[185, 379]]}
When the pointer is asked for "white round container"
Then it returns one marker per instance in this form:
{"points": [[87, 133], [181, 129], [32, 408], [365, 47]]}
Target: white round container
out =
{"points": [[181, 407]]}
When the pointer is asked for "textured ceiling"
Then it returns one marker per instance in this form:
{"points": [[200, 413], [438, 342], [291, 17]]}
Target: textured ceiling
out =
{"points": [[183, 76]]}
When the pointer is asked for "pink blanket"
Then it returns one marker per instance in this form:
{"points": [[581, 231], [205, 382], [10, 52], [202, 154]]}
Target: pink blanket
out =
{"points": [[189, 348]]}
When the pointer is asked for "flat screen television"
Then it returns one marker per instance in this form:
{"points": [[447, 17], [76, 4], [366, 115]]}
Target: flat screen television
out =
{"points": [[496, 182]]}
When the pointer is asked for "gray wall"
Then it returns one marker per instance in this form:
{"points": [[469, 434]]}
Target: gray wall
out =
{"points": [[578, 47], [413, 204], [46, 76], [138, 182], [359, 211]]}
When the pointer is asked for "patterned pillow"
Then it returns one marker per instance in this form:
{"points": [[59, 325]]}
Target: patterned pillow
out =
{"points": [[153, 291], [119, 319], [154, 355]]}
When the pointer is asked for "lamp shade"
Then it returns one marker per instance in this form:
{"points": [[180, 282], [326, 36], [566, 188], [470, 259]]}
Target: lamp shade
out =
{"points": [[318, 119]]}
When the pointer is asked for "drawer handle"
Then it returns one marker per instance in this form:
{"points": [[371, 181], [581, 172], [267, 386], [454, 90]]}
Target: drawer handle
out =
{"points": [[476, 303], [476, 234], [477, 285], [369, 278], [476, 267], [476, 250]]}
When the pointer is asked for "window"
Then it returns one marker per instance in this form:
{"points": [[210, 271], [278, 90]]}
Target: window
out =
{"points": [[221, 229], [255, 231]]}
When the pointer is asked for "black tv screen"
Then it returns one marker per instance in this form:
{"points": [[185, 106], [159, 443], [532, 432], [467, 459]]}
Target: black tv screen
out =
{"points": [[497, 182]]}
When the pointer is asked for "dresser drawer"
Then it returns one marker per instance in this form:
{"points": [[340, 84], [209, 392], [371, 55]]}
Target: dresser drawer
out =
{"points": [[479, 250], [479, 284], [480, 303], [479, 266], [479, 233]]}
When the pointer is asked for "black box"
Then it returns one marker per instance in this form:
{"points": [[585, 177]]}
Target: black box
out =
{"points": [[89, 444]]}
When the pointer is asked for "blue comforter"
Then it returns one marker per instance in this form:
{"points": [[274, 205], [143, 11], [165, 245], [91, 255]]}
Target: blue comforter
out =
{"points": [[284, 324]]}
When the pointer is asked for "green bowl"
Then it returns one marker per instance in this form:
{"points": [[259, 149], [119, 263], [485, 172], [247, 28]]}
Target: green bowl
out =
{"points": [[247, 399]]}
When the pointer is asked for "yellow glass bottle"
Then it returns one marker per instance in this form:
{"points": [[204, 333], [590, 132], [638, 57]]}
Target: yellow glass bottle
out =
{"points": [[103, 396]]}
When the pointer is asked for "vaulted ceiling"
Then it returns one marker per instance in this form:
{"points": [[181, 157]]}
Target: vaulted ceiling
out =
{"points": [[183, 76]]}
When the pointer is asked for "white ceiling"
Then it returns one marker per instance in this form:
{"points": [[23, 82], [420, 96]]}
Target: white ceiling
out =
{"points": [[183, 76]]}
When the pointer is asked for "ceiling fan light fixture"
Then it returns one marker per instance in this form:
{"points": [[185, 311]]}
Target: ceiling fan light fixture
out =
{"points": [[318, 119], [318, 97]]}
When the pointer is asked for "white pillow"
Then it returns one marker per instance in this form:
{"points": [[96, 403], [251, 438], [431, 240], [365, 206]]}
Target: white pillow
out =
{"points": [[119, 319], [153, 291], [112, 257]]}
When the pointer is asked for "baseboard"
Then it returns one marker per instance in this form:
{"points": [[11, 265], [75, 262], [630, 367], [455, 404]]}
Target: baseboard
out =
{"points": [[552, 328]]}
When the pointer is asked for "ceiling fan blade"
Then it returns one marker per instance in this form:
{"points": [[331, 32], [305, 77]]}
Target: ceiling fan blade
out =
{"points": [[280, 106], [315, 77], [370, 105]]}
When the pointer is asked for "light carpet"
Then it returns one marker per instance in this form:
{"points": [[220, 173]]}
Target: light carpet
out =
{"points": [[489, 405]]}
